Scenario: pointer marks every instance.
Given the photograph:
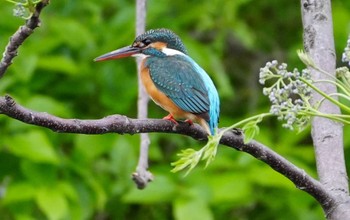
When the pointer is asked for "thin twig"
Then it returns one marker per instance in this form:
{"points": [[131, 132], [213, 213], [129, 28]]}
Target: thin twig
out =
{"points": [[142, 176], [20, 36]]}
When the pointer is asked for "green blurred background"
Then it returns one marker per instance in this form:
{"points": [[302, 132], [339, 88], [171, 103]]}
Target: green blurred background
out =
{"points": [[47, 175]]}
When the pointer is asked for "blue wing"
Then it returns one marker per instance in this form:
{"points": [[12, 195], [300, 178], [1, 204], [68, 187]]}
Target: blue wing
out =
{"points": [[177, 78]]}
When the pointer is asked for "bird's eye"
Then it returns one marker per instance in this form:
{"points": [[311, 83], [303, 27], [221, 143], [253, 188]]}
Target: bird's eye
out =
{"points": [[142, 44], [146, 42]]}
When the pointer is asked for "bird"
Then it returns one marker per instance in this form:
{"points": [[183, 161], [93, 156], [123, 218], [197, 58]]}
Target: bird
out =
{"points": [[172, 79]]}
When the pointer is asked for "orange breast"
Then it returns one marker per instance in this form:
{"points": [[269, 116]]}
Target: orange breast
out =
{"points": [[159, 97]]}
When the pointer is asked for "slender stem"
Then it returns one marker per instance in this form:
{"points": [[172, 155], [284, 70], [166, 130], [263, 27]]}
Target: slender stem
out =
{"points": [[333, 117], [13, 2], [340, 95], [244, 121], [324, 72], [336, 102], [341, 86], [346, 82]]}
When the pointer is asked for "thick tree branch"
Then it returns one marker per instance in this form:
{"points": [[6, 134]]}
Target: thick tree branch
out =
{"points": [[124, 125], [20, 36], [327, 135]]}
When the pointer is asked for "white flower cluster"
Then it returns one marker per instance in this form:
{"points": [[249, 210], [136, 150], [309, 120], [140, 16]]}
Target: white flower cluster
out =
{"points": [[19, 10], [346, 53], [289, 95]]}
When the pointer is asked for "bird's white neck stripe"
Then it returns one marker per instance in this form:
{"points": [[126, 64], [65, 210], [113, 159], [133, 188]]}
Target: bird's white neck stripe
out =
{"points": [[171, 52], [167, 51]]}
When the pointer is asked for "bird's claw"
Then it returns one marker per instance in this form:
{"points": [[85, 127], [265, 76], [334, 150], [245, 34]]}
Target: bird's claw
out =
{"points": [[189, 121], [171, 118]]}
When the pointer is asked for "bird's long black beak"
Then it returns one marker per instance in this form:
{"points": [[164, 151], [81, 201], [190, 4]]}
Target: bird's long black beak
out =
{"points": [[120, 53]]}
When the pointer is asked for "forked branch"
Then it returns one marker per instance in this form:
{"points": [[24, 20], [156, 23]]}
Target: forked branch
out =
{"points": [[123, 125]]}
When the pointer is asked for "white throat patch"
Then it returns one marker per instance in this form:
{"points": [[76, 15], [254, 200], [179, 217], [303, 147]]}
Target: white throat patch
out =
{"points": [[171, 52], [140, 55]]}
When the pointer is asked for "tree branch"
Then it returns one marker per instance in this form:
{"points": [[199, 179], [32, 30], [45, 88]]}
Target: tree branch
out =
{"points": [[123, 125], [20, 36], [142, 176], [327, 135]]}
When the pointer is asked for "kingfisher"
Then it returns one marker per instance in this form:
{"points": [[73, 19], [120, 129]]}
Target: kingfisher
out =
{"points": [[172, 79]]}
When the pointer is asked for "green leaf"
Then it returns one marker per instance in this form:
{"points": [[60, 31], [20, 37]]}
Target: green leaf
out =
{"points": [[91, 147], [264, 176], [17, 192], [189, 158], [221, 76], [21, 216], [75, 34], [93, 183], [26, 65], [122, 161], [39, 174], [52, 202], [305, 58], [233, 187], [196, 209], [48, 104], [251, 129], [210, 148], [162, 189], [58, 63], [68, 190], [33, 145]]}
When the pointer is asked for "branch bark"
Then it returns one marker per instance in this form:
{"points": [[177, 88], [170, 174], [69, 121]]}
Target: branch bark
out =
{"points": [[142, 176], [123, 125], [20, 36], [327, 135]]}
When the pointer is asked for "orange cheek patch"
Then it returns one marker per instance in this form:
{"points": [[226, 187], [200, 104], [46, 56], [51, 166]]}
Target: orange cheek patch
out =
{"points": [[158, 45]]}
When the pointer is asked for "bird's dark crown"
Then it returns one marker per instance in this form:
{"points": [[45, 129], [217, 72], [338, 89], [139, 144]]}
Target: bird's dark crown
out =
{"points": [[161, 35]]}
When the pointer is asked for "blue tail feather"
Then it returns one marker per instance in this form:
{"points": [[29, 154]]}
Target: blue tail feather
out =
{"points": [[214, 108]]}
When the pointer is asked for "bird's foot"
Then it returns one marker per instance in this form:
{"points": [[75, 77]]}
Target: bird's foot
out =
{"points": [[171, 118], [189, 121]]}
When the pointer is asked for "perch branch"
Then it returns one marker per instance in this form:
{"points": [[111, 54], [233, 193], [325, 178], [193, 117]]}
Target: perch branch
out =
{"points": [[123, 125], [20, 36]]}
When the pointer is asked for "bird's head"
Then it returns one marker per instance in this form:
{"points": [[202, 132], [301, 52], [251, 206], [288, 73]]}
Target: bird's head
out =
{"points": [[157, 42]]}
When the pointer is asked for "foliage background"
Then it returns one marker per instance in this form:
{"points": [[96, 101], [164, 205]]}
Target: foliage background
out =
{"points": [[45, 175]]}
